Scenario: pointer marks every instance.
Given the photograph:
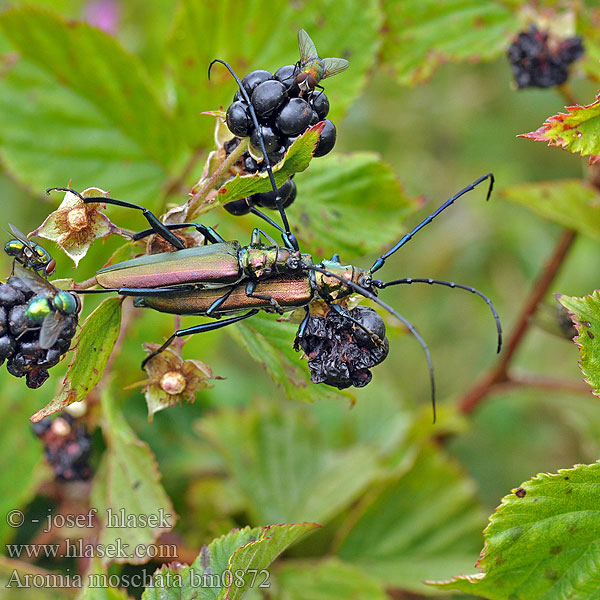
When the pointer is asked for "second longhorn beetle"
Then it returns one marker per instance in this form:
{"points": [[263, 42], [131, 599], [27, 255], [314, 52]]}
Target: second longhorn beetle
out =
{"points": [[223, 278]]}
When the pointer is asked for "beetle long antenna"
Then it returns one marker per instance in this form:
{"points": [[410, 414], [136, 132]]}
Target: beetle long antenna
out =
{"points": [[383, 284], [289, 238], [381, 260], [371, 296]]}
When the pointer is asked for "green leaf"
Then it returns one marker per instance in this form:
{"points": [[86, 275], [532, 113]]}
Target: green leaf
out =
{"points": [[586, 318], [416, 526], [127, 486], [17, 466], [543, 541], [330, 579], [577, 130], [286, 466], [297, 159], [571, 203], [93, 347], [421, 35], [93, 109], [349, 204], [265, 36], [271, 343], [229, 567]]}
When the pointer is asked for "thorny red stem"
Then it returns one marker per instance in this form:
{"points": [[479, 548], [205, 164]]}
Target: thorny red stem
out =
{"points": [[499, 375]]}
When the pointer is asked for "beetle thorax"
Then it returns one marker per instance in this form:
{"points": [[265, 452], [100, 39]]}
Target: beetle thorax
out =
{"points": [[263, 261], [331, 287]]}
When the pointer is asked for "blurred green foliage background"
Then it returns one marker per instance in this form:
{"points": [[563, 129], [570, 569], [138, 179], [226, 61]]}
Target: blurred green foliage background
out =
{"points": [[438, 137]]}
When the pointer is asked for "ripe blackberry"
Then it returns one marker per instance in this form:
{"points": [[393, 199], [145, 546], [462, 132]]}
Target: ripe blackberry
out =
{"points": [[326, 139], [284, 113], [270, 139], [287, 193], [238, 207], [294, 116], [267, 97], [539, 60], [320, 104], [287, 75], [254, 79], [238, 119]]}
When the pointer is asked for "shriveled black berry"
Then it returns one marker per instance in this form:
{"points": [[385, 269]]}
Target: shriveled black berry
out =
{"points": [[326, 139], [294, 117], [254, 79], [320, 104], [21, 362], [287, 75], [36, 378], [7, 347], [42, 426], [267, 97], [270, 139], [238, 119], [267, 199], [340, 356], [9, 295], [31, 350], [69, 327], [15, 368], [63, 344], [538, 61], [18, 322], [19, 284], [51, 358], [67, 447], [238, 207]]}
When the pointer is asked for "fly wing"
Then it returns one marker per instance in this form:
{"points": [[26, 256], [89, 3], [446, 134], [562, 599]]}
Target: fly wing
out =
{"points": [[20, 236], [333, 66], [51, 329], [307, 47], [34, 282]]}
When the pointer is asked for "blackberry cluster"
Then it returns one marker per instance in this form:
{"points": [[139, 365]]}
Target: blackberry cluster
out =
{"points": [[539, 61], [283, 113], [67, 445], [19, 335], [340, 353]]}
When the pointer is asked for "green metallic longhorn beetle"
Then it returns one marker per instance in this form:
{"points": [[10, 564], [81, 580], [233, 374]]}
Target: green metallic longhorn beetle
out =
{"points": [[224, 277]]}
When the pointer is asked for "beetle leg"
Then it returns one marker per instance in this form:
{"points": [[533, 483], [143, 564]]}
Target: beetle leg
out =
{"points": [[218, 303], [251, 286], [343, 313], [156, 291], [208, 232], [301, 329], [199, 329], [255, 240]]}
